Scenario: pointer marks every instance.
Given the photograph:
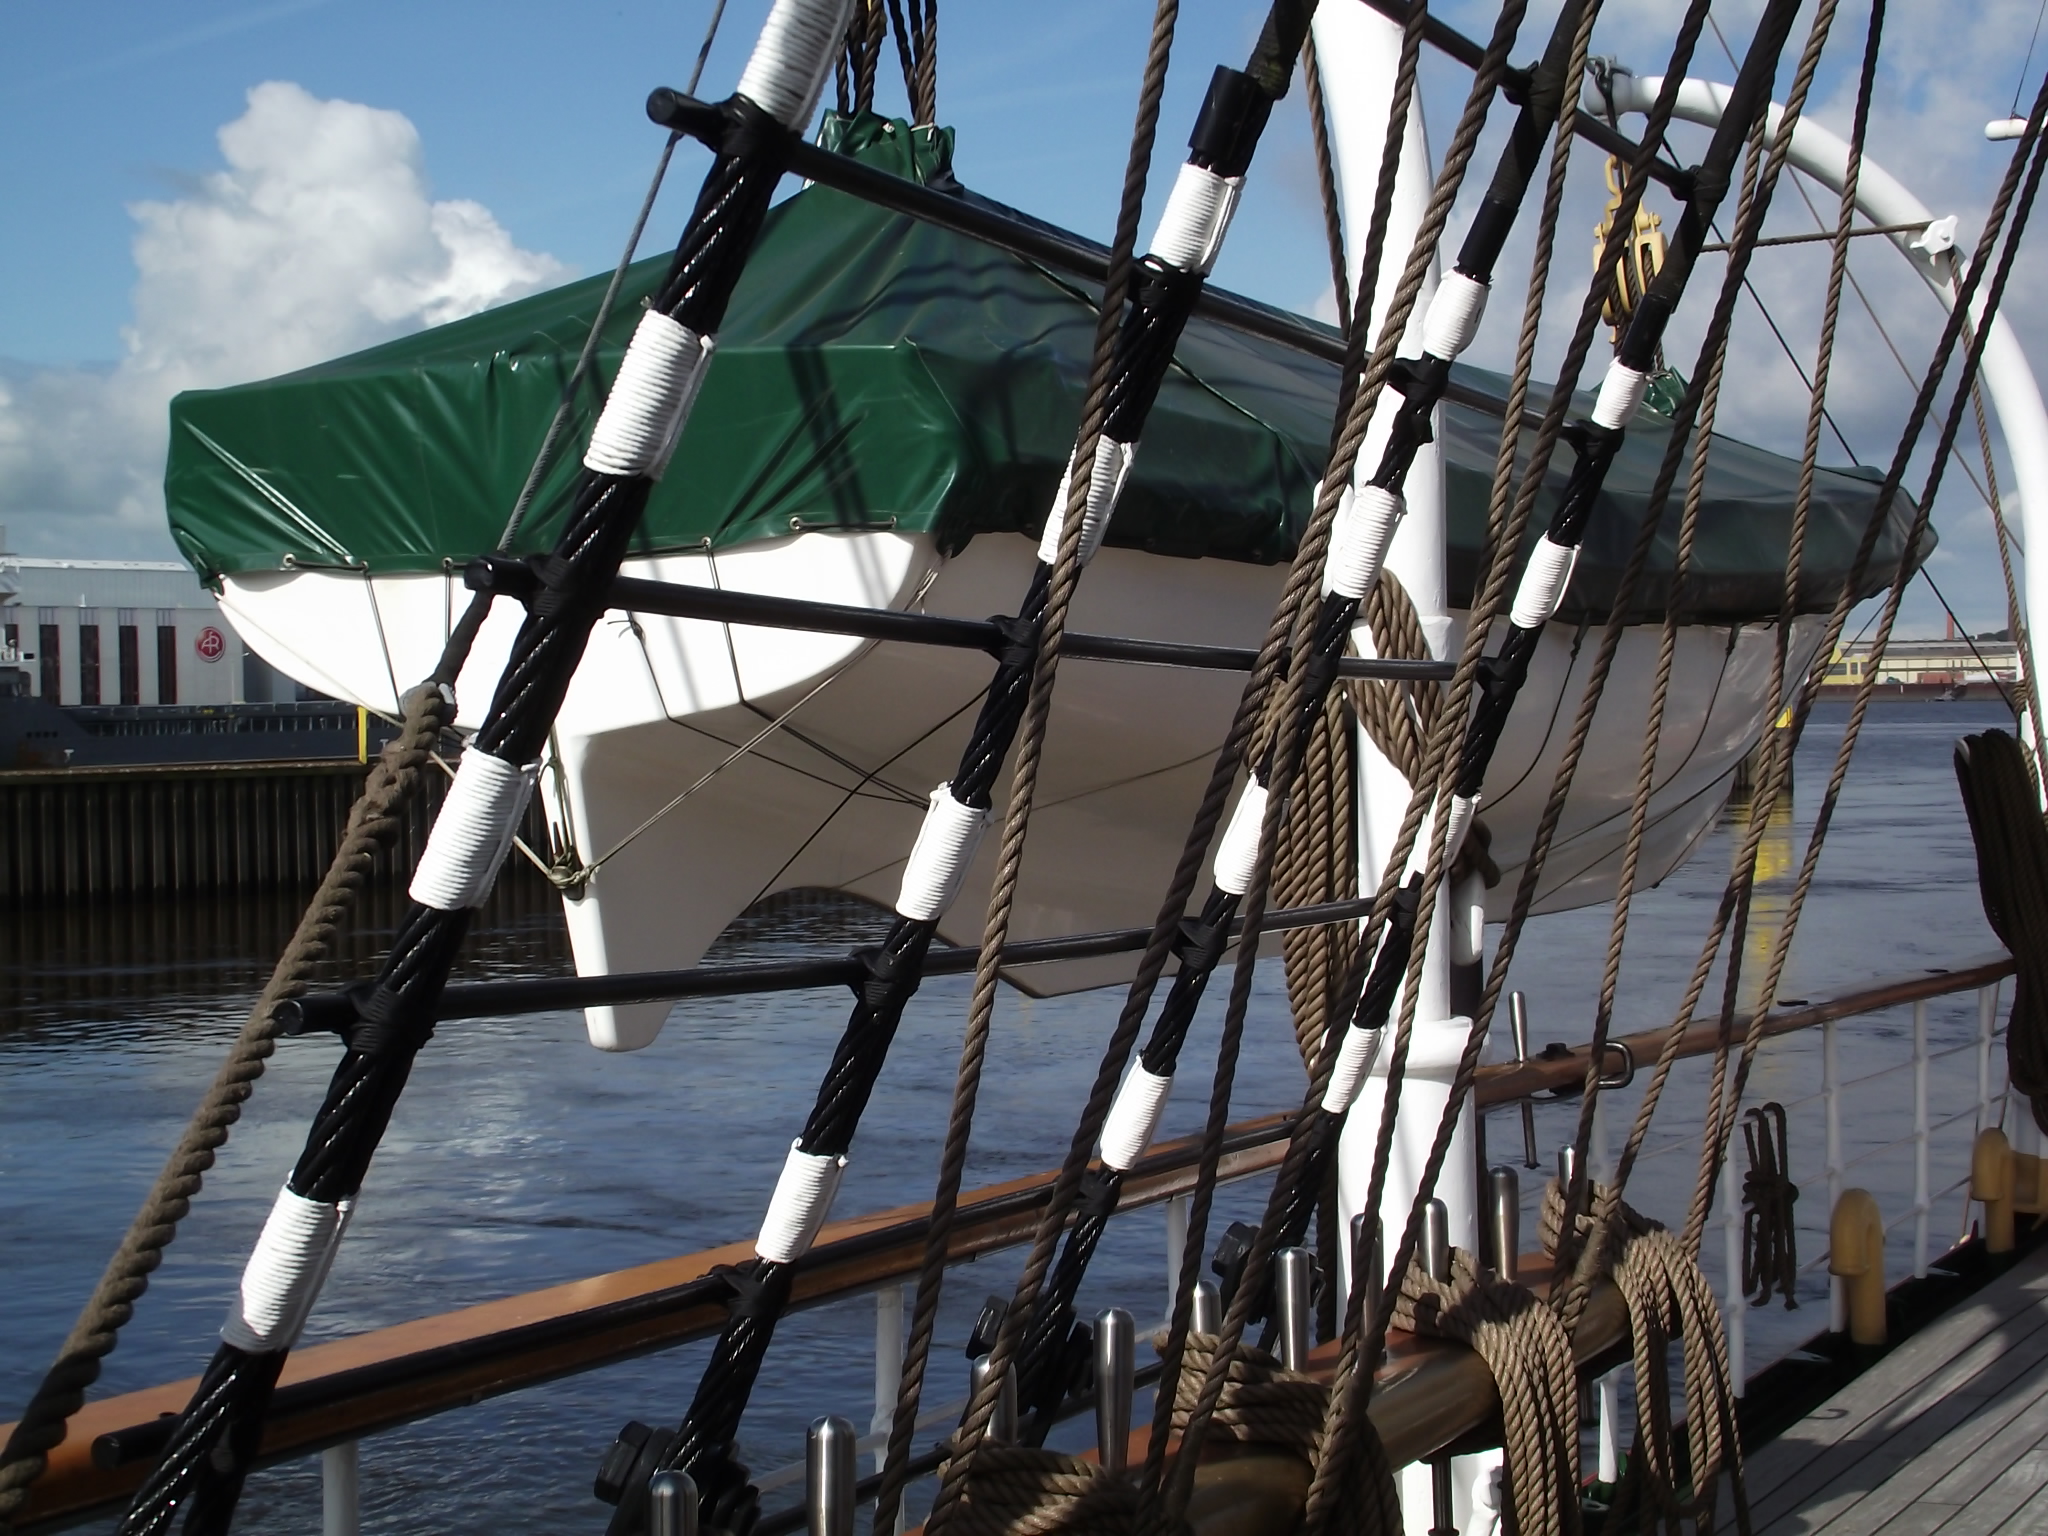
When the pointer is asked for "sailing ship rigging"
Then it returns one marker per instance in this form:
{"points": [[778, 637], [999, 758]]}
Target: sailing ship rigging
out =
{"points": [[1353, 639]]}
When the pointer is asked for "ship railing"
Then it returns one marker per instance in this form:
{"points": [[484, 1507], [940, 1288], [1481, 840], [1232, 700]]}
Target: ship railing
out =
{"points": [[335, 1394]]}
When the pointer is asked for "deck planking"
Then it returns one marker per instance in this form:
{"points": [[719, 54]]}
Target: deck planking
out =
{"points": [[1948, 1433]]}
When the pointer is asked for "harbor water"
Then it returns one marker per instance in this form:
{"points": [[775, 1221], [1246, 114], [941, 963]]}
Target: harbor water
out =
{"points": [[521, 1158]]}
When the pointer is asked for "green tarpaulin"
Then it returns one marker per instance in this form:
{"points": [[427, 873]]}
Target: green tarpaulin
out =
{"points": [[878, 372]]}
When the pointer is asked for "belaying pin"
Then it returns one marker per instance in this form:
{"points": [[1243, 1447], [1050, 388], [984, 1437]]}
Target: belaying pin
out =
{"points": [[672, 1504], [1436, 1241], [1567, 1168], [1002, 1425], [1115, 1367], [1518, 1021], [1440, 1507], [1294, 1271], [1503, 1220], [1368, 1265], [1208, 1317], [829, 1476]]}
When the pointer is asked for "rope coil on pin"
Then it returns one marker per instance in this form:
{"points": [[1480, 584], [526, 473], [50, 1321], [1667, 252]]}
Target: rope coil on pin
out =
{"points": [[1529, 1355]]}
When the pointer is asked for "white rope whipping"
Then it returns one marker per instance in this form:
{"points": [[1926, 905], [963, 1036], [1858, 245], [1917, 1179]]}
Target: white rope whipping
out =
{"points": [[788, 66], [1463, 809], [1134, 1117], [1621, 392], [945, 846], [1197, 217], [1359, 539], [282, 1279], [473, 833], [1354, 1061], [802, 1202], [1239, 850], [1106, 478], [643, 415], [1453, 317], [1544, 579]]}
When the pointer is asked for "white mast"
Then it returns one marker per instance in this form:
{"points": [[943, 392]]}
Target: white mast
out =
{"points": [[1359, 51]]}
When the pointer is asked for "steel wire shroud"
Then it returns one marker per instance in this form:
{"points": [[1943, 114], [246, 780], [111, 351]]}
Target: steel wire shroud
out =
{"points": [[200, 1474]]}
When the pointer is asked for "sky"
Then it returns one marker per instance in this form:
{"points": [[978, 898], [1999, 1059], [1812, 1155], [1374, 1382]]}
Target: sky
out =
{"points": [[206, 193]]}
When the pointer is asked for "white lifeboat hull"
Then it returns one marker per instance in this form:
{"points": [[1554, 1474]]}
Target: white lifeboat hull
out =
{"points": [[654, 783]]}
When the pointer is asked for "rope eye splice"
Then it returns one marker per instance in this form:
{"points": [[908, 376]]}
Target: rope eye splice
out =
{"points": [[1165, 286], [1359, 543], [198, 1479]]}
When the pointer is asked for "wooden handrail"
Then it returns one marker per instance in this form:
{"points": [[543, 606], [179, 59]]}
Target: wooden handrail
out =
{"points": [[1566, 1070], [349, 1388]]}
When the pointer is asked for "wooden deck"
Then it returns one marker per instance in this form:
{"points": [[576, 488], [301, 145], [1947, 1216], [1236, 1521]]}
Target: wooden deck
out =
{"points": [[1948, 1434]]}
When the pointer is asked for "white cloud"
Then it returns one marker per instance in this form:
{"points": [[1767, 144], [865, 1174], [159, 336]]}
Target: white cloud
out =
{"points": [[318, 238]]}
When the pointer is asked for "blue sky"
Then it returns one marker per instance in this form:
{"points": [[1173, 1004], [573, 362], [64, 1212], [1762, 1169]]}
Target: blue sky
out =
{"points": [[529, 124]]}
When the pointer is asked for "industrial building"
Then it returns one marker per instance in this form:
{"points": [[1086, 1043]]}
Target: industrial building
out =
{"points": [[142, 632]]}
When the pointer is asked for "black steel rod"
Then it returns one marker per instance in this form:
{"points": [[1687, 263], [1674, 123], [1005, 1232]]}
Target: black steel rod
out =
{"points": [[1455, 45], [681, 601], [990, 222], [321, 1011]]}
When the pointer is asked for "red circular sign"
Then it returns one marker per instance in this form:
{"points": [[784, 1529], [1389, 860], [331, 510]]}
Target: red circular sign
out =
{"points": [[211, 644]]}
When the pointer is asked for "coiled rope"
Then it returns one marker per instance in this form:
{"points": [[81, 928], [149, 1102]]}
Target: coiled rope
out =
{"points": [[1263, 1403], [1668, 1300], [1770, 1232], [1529, 1355]]}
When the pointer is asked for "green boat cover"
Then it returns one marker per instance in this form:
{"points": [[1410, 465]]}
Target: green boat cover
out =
{"points": [[875, 372]]}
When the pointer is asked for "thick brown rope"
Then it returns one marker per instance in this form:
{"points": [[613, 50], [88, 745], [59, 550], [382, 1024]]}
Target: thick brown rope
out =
{"points": [[1667, 1299], [1176, 1487], [373, 822], [1263, 1403], [2030, 157], [1508, 514], [1699, 412], [1016, 821], [1022, 1491], [1336, 478], [1530, 1357], [1326, 180]]}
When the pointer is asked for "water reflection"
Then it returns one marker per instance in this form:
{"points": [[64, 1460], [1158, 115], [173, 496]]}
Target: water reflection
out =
{"points": [[521, 1158]]}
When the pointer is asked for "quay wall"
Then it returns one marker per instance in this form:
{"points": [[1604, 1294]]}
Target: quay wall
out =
{"points": [[83, 834]]}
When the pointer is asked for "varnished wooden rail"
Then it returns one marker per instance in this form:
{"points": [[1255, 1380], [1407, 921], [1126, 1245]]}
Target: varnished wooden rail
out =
{"points": [[344, 1390], [1566, 1070]]}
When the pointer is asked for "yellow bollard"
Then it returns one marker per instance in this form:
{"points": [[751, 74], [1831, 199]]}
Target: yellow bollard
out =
{"points": [[1856, 1256], [1991, 1182]]}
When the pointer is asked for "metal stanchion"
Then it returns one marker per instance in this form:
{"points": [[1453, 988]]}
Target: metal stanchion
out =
{"points": [[1208, 1316], [672, 1503], [1436, 1262], [1436, 1241], [831, 1469], [1294, 1271], [1518, 1021], [1115, 1366], [1003, 1425], [1503, 1220], [1368, 1263]]}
